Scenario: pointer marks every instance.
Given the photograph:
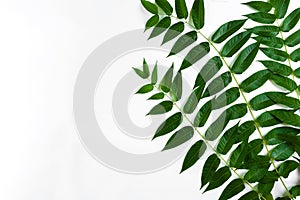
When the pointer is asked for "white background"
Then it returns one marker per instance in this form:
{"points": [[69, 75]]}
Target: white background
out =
{"points": [[43, 44]]}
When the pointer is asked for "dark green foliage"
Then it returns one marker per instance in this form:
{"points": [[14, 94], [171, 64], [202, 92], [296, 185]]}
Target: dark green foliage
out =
{"points": [[240, 148]]}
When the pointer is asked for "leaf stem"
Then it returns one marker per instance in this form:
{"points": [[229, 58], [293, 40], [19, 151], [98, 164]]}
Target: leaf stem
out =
{"points": [[210, 146], [246, 101]]}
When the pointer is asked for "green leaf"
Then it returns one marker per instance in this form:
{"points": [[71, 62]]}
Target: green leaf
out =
{"points": [[210, 166], [219, 178], [245, 58], [169, 125], [269, 177], [275, 54], [161, 108], [281, 98], [273, 136], [152, 8], [165, 6], [259, 5], [181, 9], [245, 130], [257, 161], [152, 22], [208, 71], [145, 89], [179, 137], [173, 32], [290, 21], [267, 31], [295, 55], [273, 42], [226, 98], [232, 113], [154, 74], [216, 128], [203, 115], [277, 68], [261, 101], [237, 157], [250, 195], [297, 72], [161, 27], [262, 17], [281, 152], [265, 188], [166, 81], [235, 43], [217, 84], [287, 167], [140, 73], [237, 111], [287, 116], [227, 140], [193, 100], [284, 82], [281, 7], [157, 96], [195, 54], [183, 42], [227, 30], [198, 14], [266, 120], [233, 188], [176, 90], [255, 81], [255, 147], [255, 174], [146, 68], [293, 39], [193, 155], [295, 191]]}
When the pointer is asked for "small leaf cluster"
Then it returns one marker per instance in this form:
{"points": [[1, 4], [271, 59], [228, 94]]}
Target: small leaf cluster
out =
{"points": [[245, 154]]}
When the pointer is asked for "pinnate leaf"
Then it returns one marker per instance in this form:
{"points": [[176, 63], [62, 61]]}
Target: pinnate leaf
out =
{"points": [[259, 5], [160, 27], [226, 30], [233, 188], [152, 22], [195, 54], [291, 20], [293, 39], [161, 108], [152, 8], [255, 81], [210, 166], [235, 44], [179, 137], [183, 42], [165, 6], [145, 89], [181, 9], [173, 32], [281, 7], [245, 58], [262, 17], [169, 125], [193, 155], [198, 14], [275, 54]]}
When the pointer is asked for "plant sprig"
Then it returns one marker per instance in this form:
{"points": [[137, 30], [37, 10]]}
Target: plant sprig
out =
{"points": [[247, 155]]}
